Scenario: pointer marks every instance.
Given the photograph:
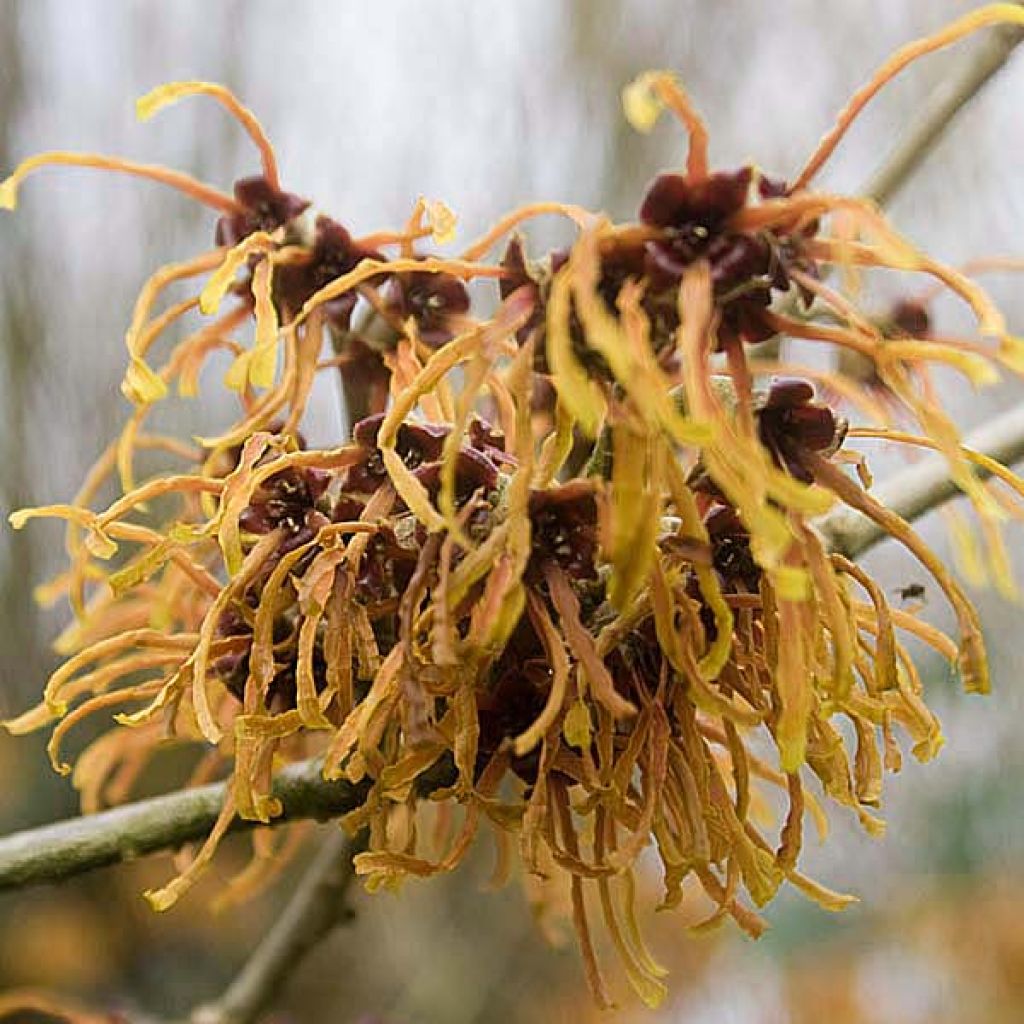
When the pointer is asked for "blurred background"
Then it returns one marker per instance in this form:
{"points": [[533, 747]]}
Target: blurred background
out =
{"points": [[487, 105]]}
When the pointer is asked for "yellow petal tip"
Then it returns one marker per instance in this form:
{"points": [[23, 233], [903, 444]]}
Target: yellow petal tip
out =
{"points": [[156, 99], [1011, 352], [209, 300], [640, 104], [141, 386], [145, 108], [160, 899], [8, 194], [442, 222]]}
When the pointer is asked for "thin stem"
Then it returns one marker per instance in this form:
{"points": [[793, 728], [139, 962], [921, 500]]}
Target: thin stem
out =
{"points": [[945, 103], [59, 851], [915, 146], [923, 487], [317, 906], [991, 15]]}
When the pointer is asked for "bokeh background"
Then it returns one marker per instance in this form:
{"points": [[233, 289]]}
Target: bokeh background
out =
{"points": [[486, 105]]}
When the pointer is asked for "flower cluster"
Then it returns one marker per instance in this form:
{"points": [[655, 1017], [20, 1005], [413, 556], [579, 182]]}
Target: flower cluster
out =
{"points": [[565, 576]]}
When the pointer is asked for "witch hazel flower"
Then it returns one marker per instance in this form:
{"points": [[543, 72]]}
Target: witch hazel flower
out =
{"points": [[564, 582]]}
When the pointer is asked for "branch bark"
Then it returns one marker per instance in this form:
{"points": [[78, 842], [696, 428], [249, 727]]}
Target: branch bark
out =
{"points": [[920, 488], [55, 852]]}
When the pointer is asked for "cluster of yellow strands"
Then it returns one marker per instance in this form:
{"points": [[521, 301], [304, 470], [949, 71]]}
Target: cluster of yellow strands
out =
{"points": [[655, 726]]}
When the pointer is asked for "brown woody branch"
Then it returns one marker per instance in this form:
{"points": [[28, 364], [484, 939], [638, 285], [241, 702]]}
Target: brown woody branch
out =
{"points": [[56, 852], [923, 487]]}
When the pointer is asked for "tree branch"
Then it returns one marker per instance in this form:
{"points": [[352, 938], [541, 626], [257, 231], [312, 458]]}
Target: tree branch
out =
{"points": [[920, 488], [313, 911], [939, 113], [941, 110], [55, 852], [68, 848]]}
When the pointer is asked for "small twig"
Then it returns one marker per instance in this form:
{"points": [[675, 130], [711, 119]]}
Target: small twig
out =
{"points": [[941, 110], [315, 908], [923, 487], [910, 152], [55, 852]]}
